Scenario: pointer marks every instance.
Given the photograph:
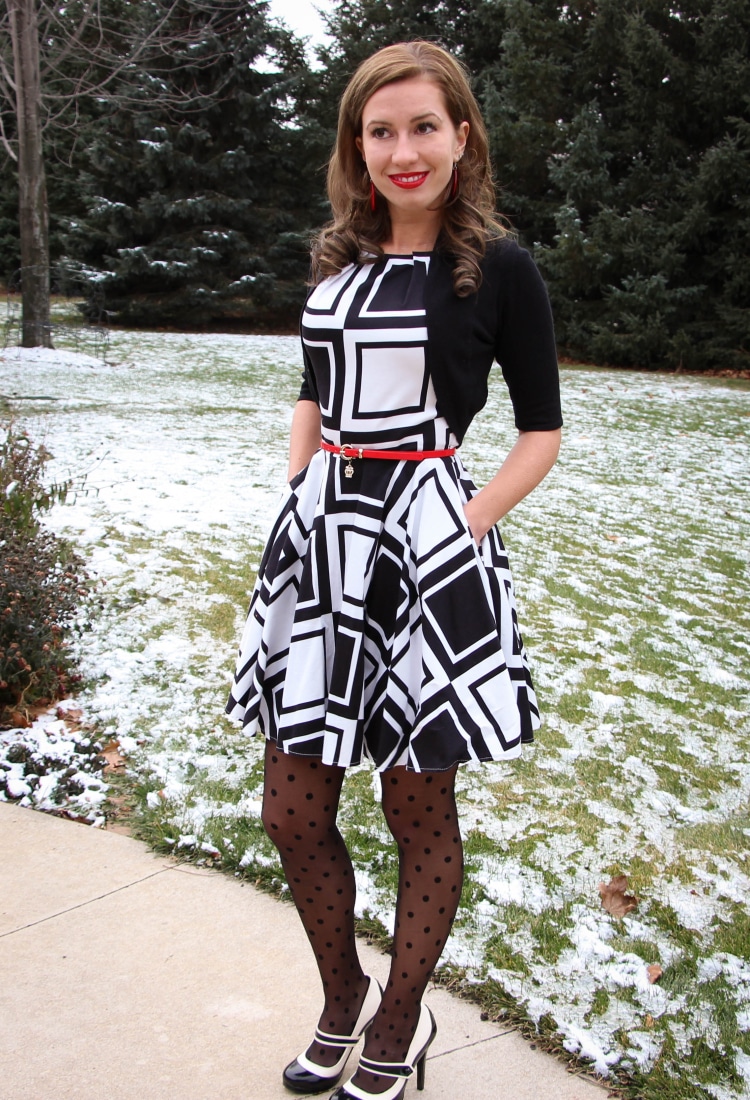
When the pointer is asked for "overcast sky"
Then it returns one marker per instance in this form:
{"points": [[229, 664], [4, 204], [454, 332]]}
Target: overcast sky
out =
{"points": [[301, 17]]}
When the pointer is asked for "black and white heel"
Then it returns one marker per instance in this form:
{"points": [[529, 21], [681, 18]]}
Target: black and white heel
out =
{"points": [[415, 1059], [304, 1075]]}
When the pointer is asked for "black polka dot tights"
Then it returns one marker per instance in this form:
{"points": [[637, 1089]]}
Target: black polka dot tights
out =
{"points": [[300, 803]]}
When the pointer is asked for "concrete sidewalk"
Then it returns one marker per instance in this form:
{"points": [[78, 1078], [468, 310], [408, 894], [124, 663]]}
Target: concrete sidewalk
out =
{"points": [[128, 976]]}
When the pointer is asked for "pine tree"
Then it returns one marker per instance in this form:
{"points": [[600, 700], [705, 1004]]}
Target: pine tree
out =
{"points": [[199, 216], [644, 264], [359, 27], [619, 134]]}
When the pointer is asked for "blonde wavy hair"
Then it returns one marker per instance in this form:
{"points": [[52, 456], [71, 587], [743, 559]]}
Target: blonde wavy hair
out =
{"points": [[469, 220]]}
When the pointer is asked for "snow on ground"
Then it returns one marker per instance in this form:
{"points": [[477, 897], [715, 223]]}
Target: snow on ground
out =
{"points": [[51, 766], [51, 357], [631, 566]]}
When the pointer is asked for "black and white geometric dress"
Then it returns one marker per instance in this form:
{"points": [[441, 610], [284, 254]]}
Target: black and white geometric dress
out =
{"points": [[378, 628]]}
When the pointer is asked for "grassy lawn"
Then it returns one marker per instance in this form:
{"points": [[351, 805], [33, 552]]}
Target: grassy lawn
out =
{"points": [[631, 565]]}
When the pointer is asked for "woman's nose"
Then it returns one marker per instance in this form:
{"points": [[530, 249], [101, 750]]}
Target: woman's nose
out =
{"points": [[405, 151]]}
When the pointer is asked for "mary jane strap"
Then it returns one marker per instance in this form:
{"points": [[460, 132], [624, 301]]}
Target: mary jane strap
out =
{"points": [[305, 1076], [326, 1039], [386, 1069]]}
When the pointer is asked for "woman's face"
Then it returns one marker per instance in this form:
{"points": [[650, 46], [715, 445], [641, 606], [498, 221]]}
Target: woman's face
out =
{"points": [[410, 144]]}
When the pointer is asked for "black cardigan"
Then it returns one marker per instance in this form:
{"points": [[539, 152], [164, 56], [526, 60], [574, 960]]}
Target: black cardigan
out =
{"points": [[508, 320]]}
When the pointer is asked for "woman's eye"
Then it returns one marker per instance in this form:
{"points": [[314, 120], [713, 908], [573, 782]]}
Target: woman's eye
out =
{"points": [[425, 127], [379, 132]]}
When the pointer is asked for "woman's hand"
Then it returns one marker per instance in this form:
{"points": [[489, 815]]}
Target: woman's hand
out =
{"points": [[527, 463], [478, 525]]}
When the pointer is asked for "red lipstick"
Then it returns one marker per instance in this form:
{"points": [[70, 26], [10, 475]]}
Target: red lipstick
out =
{"points": [[409, 180]]}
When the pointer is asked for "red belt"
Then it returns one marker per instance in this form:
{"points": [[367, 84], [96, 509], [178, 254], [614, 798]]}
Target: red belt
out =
{"points": [[350, 452]]}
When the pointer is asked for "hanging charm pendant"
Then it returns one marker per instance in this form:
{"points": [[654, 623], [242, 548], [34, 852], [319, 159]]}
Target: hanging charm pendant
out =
{"points": [[349, 452]]}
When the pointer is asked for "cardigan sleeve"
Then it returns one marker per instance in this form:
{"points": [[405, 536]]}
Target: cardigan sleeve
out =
{"points": [[307, 390], [525, 344]]}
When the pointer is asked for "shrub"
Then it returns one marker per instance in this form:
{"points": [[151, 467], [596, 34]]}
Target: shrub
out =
{"points": [[24, 496], [43, 584]]}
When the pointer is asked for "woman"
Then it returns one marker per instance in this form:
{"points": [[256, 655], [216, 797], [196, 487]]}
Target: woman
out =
{"points": [[383, 621]]}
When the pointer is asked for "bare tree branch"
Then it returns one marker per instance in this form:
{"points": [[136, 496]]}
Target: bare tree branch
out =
{"points": [[7, 82], [67, 53], [69, 38], [5, 142], [158, 43], [92, 43]]}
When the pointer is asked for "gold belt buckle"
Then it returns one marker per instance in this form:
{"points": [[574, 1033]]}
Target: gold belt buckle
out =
{"points": [[356, 452]]}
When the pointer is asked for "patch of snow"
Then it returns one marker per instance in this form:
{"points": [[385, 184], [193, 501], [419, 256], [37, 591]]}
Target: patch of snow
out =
{"points": [[49, 357], [44, 766], [580, 1042], [644, 1050]]}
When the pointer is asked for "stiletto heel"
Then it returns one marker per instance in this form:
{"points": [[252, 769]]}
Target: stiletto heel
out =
{"points": [[415, 1059], [421, 1070], [304, 1075]]}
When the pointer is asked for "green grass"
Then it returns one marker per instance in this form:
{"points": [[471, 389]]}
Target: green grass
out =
{"points": [[633, 589]]}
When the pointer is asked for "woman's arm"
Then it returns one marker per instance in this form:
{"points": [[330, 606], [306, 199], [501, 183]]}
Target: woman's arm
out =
{"points": [[304, 439], [529, 461]]}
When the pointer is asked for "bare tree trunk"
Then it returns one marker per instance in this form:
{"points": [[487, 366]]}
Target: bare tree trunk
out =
{"points": [[32, 184]]}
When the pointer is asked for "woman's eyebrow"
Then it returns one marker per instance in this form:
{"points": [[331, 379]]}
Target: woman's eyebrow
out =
{"points": [[416, 118]]}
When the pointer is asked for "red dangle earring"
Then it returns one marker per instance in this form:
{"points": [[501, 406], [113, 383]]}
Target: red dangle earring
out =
{"points": [[373, 197]]}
